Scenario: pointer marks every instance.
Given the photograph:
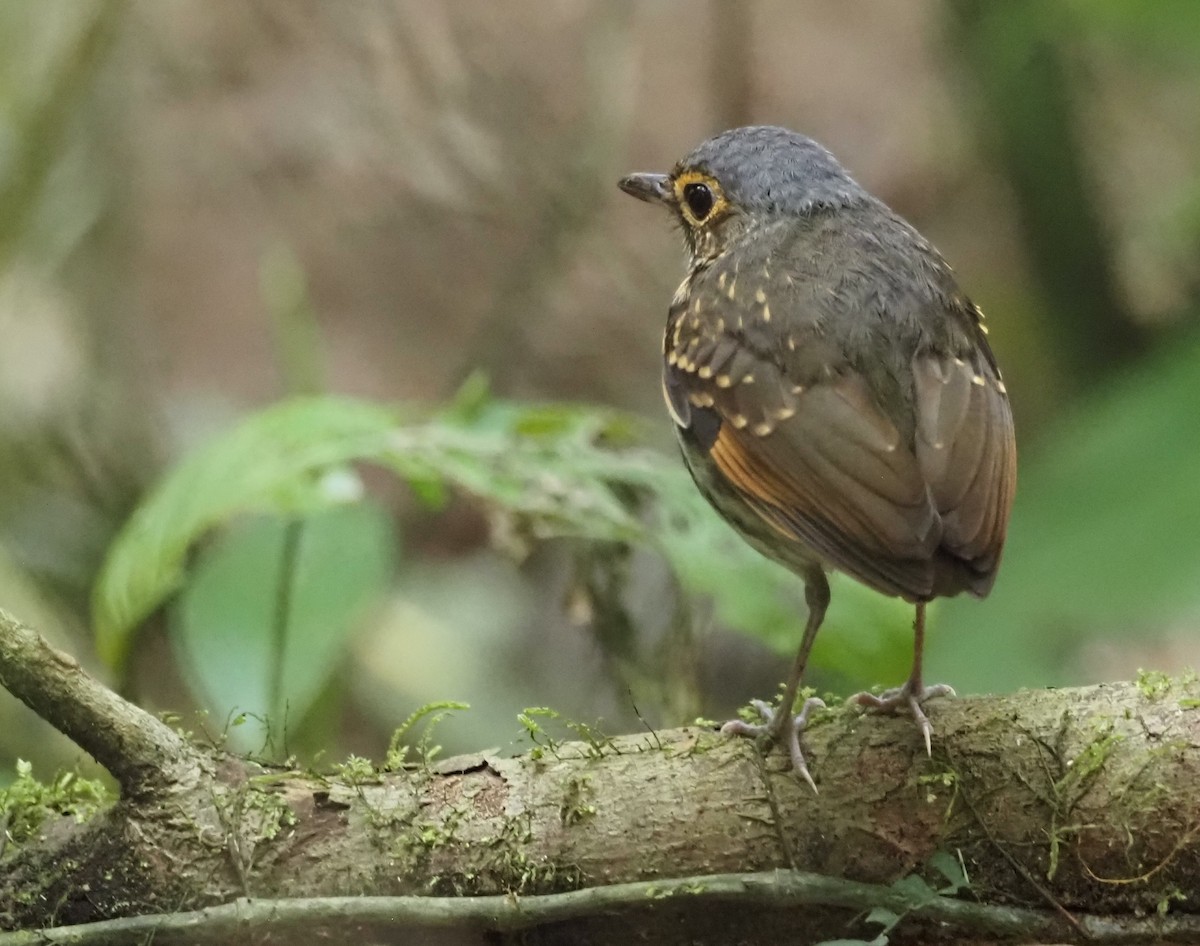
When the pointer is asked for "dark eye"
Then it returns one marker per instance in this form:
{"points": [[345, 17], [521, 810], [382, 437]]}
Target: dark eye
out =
{"points": [[699, 199]]}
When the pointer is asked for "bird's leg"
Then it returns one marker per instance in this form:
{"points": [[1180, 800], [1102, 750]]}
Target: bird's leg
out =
{"points": [[910, 697], [779, 724]]}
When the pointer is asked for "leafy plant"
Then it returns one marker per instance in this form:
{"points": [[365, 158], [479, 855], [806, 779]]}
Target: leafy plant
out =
{"points": [[543, 471], [911, 892]]}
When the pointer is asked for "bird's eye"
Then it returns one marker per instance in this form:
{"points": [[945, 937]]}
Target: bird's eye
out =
{"points": [[699, 199]]}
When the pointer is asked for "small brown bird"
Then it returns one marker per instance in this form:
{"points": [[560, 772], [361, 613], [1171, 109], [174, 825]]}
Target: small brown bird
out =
{"points": [[833, 390]]}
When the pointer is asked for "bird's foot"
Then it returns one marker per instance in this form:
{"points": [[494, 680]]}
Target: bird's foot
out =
{"points": [[780, 727], [906, 699]]}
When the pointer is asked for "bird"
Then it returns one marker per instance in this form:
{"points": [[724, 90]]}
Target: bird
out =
{"points": [[833, 392]]}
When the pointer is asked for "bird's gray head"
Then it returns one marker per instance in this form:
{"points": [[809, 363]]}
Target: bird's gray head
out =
{"points": [[743, 177]]}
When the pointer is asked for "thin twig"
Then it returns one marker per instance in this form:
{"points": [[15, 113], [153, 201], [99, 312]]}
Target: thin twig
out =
{"points": [[246, 918]]}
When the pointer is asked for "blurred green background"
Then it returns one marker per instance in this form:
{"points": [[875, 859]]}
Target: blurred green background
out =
{"points": [[209, 207]]}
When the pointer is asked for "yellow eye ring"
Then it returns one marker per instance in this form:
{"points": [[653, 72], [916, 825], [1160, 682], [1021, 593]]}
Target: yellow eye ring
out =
{"points": [[699, 197]]}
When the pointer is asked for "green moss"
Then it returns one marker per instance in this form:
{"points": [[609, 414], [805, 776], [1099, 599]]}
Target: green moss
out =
{"points": [[435, 834], [937, 784], [1174, 895], [1074, 784], [1082, 769], [1188, 681], [503, 863], [356, 771], [1154, 684], [543, 743], [27, 803], [272, 813], [398, 749], [576, 805], [597, 742]]}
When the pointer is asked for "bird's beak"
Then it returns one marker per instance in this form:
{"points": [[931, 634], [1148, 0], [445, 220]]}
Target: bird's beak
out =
{"points": [[652, 188]]}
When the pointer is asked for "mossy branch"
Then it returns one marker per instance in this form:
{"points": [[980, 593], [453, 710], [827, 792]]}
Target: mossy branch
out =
{"points": [[1075, 814], [140, 752]]}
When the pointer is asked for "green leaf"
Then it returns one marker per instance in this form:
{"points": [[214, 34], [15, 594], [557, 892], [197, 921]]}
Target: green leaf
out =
{"points": [[272, 462], [882, 916], [264, 618], [880, 940], [949, 867], [915, 890]]}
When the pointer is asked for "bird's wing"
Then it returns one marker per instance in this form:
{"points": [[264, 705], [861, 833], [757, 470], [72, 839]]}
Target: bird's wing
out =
{"points": [[966, 450], [816, 459]]}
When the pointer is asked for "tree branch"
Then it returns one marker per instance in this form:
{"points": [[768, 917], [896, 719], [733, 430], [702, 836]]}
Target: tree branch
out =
{"points": [[1076, 812], [142, 753], [792, 890]]}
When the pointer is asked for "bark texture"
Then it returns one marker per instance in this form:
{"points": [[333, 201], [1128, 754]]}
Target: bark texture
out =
{"points": [[1081, 807]]}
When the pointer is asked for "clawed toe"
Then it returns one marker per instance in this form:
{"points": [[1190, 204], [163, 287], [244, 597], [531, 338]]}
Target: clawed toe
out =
{"points": [[910, 699], [781, 728]]}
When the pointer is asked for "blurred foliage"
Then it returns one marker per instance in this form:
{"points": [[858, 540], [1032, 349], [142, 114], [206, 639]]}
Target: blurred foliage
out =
{"points": [[1102, 562], [283, 600], [39, 95], [1026, 81], [1104, 540]]}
